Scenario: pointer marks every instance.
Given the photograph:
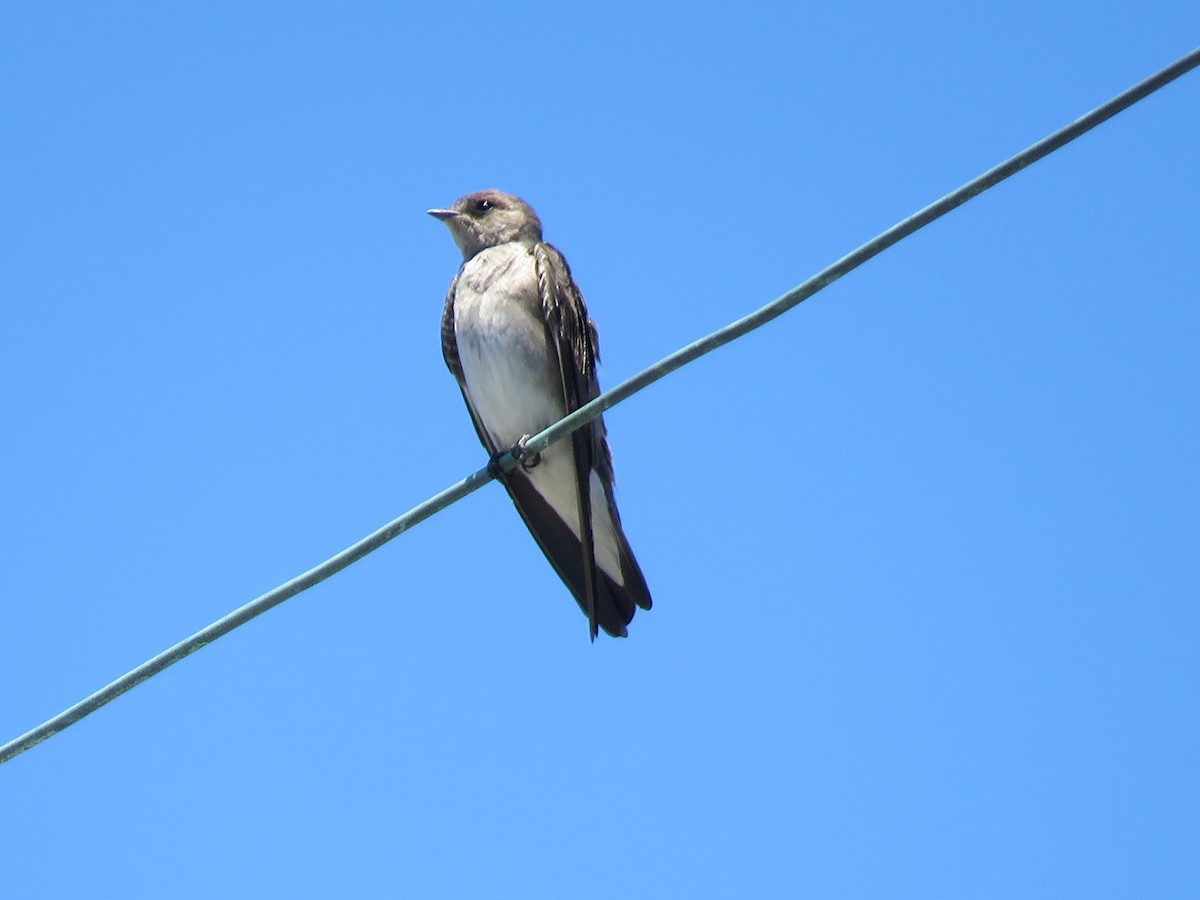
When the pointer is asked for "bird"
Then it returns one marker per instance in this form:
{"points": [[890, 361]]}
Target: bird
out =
{"points": [[517, 337]]}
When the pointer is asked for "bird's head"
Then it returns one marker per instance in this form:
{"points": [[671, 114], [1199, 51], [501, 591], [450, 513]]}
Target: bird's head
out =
{"points": [[489, 218]]}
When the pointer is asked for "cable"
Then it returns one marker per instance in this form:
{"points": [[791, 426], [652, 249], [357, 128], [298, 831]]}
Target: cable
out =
{"points": [[589, 411]]}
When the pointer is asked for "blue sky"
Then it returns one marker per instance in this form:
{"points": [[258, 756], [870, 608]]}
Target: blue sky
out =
{"points": [[925, 552]]}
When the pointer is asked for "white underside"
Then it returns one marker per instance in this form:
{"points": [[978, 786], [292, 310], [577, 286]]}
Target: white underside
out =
{"points": [[512, 380]]}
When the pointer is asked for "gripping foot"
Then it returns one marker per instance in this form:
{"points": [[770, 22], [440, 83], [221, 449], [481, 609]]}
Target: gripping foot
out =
{"points": [[520, 454]]}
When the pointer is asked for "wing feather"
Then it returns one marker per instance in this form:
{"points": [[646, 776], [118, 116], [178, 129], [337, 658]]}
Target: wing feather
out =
{"points": [[569, 332]]}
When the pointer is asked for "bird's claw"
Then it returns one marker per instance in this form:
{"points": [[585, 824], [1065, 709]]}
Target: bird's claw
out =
{"points": [[519, 453], [524, 457], [493, 466]]}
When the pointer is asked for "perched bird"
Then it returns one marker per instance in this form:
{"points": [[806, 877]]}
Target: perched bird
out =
{"points": [[516, 335]]}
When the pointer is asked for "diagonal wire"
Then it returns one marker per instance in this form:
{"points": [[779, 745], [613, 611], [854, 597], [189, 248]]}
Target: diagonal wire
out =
{"points": [[605, 401]]}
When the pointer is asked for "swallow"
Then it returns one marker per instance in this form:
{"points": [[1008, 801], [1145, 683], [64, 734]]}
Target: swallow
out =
{"points": [[517, 337]]}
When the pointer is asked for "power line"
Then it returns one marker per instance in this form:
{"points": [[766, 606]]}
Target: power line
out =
{"points": [[590, 411]]}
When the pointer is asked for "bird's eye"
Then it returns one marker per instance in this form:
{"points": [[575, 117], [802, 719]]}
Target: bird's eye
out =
{"points": [[483, 205]]}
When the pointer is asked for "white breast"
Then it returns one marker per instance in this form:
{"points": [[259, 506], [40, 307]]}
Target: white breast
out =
{"points": [[510, 373], [513, 382]]}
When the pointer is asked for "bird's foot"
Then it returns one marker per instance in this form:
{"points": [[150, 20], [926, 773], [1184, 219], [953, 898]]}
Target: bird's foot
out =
{"points": [[493, 466], [519, 453], [524, 457]]}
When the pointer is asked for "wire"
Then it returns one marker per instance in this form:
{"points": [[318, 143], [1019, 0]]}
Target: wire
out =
{"points": [[590, 411]]}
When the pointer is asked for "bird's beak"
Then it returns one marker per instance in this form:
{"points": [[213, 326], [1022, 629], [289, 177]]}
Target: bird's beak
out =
{"points": [[442, 214]]}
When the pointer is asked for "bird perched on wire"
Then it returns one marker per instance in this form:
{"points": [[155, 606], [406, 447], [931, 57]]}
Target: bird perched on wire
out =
{"points": [[516, 335]]}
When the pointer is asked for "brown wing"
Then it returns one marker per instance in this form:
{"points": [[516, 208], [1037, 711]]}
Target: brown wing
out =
{"points": [[449, 341], [569, 332]]}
